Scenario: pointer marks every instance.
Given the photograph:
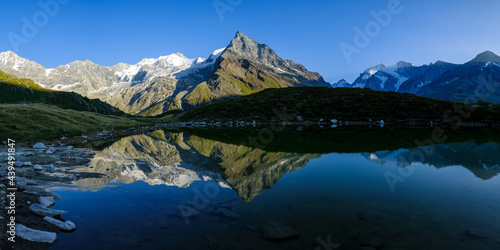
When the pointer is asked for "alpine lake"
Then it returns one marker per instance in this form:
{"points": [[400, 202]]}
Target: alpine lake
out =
{"points": [[288, 188]]}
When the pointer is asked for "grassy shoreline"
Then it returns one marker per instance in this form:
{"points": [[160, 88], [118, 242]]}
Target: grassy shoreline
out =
{"points": [[343, 104], [272, 107], [30, 122]]}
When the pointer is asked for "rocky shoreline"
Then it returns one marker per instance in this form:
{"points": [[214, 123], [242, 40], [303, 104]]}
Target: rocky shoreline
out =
{"points": [[38, 168]]}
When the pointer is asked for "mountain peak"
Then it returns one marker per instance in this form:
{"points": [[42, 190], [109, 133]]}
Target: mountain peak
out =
{"points": [[8, 53], [377, 67], [244, 46], [403, 64], [439, 62], [372, 70], [240, 34], [341, 84], [179, 54], [241, 39], [485, 57]]}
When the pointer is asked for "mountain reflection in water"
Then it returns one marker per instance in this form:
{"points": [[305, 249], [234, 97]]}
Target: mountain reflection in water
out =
{"points": [[179, 159], [321, 183]]}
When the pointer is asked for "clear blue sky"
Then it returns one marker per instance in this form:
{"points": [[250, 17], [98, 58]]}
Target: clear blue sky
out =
{"points": [[308, 32]]}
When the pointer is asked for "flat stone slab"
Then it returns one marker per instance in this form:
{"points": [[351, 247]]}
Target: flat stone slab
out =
{"points": [[277, 230], [35, 235], [63, 225], [227, 213], [46, 201], [45, 211], [38, 167]]}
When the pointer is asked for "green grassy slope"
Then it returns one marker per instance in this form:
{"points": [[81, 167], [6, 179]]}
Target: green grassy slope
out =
{"points": [[314, 103], [22, 90], [42, 121], [30, 112], [235, 76]]}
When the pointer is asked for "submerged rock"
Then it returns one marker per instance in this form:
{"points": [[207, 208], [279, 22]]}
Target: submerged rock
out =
{"points": [[277, 230], [373, 242], [35, 235], [46, 201], [39, 146], [45, 211], [227, 213], [212, 243], [66, 225], [478, 233], [252, 227]]}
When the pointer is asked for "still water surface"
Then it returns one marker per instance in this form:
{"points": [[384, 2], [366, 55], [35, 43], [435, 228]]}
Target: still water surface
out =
{"points": [[176, 190]]}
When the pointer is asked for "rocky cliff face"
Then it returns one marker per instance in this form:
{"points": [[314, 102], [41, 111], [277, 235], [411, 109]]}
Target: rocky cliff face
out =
{"points": [[246, 67]]}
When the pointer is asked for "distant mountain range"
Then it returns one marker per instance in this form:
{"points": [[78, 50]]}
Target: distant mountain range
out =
{"points": [[153, 86], [441, 80], [173, 82]]}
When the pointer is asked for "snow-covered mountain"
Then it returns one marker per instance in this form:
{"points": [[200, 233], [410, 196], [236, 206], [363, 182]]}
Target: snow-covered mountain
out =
{"points": [[476, 80], [174, 66], [96, 81], [361, 81], [390, 78], [341, 84], [155, 85], [439, 80]]}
